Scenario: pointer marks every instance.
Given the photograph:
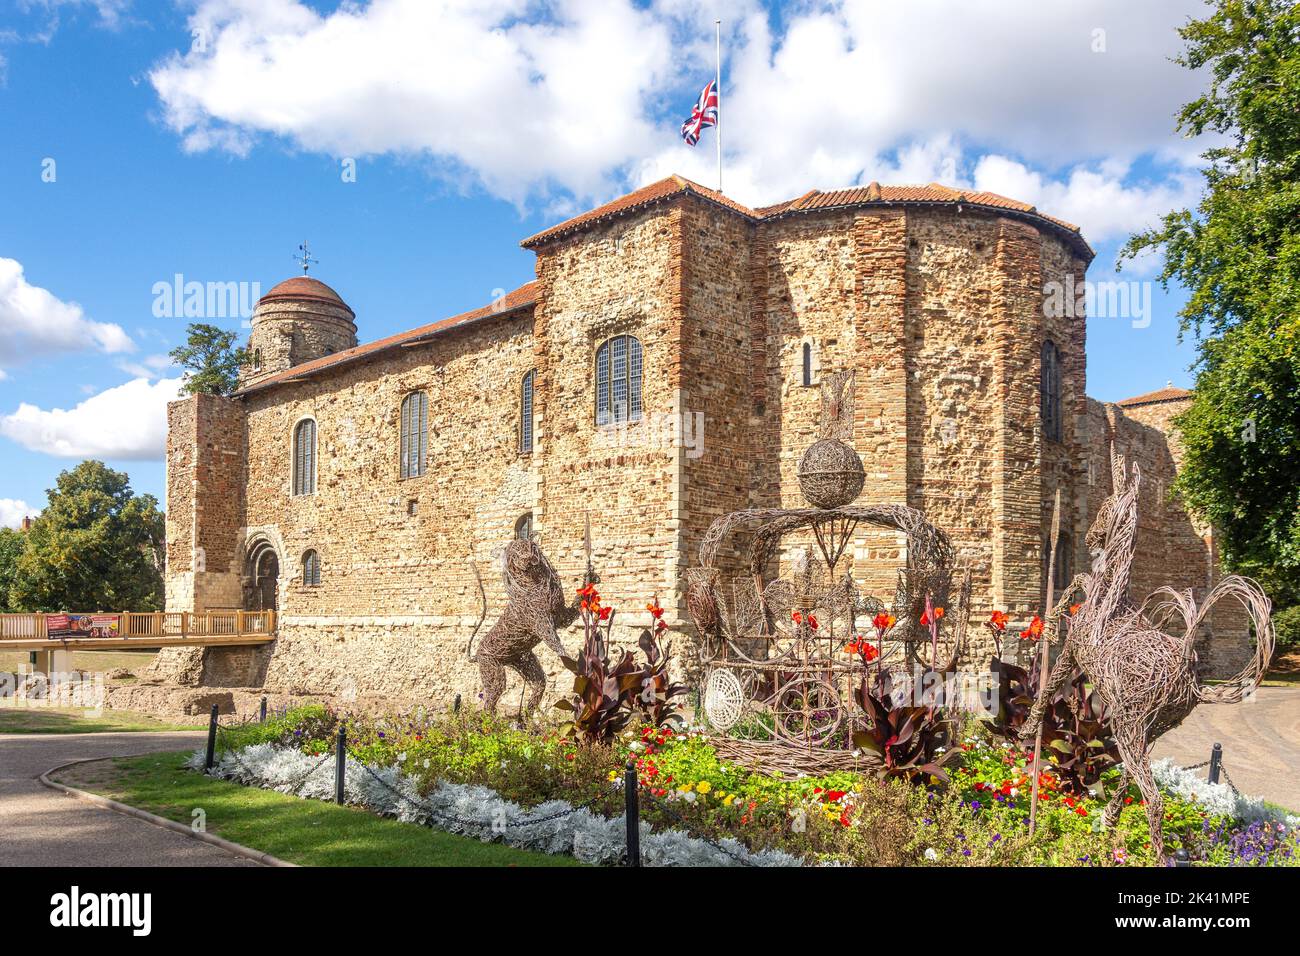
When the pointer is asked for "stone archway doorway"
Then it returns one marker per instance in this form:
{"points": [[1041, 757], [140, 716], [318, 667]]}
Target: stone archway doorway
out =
{"points": [[263, 591]]}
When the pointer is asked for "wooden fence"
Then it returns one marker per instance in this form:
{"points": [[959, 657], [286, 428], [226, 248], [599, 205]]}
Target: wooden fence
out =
{"points": [[168, 626]]}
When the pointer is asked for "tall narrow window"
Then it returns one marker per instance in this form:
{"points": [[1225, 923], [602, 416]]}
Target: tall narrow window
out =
{"points": [[807, 363], [304, 457], [415, 412], [257, 360], [524, 527], [311, 569], [618, 381], [1062, 569], [526, 414], [1050, 391]]}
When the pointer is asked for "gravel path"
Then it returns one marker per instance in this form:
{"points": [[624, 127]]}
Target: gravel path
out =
{"points": [[42, 827], [1261, 743]]}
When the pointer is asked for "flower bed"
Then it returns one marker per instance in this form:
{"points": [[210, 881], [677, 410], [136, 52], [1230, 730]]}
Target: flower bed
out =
{"points": [[476, 775]]}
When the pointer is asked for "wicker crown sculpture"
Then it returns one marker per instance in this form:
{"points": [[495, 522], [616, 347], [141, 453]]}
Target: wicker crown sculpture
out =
{"points": [[771, 645], [1146, 678]]}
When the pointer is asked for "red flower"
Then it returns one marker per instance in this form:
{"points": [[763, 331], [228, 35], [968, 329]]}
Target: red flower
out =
{"points": [[796, 617], [604, 613], [882, 622], [925, 617], [655, 611], [999, 620], [1034, 631], [812, 621]]}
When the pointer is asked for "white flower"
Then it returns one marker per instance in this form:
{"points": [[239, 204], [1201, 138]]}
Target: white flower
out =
{"points": [[931, 853]]}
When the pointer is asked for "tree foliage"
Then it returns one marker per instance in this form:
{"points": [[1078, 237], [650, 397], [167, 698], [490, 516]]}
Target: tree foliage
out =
{"points": [[1238, 255], [97, 546], [11, 547], [211, 359]]}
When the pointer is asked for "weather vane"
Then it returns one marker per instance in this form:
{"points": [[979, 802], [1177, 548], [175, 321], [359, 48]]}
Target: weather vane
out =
{"points": [[304, 257]]}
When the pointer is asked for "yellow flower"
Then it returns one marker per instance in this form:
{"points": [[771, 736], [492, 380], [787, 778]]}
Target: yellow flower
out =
{"points": [[704, 786], [731, 798], [613, 775], [685, 788]]}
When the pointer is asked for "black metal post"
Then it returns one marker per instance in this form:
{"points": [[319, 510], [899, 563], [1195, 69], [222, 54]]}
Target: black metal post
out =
{"points": [[1181, 858], [262, 710], [1216, 761], [340, 758], [212, 740], [456, 706], [633, 815]]}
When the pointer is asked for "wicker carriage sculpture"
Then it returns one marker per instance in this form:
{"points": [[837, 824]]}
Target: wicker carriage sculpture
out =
{"points": [[772, 647]]}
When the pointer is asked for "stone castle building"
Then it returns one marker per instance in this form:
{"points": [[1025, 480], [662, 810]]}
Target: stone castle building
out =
{"points": [[660, 371]]}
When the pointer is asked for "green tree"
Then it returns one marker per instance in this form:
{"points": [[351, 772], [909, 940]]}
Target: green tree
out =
{"points": [[11, 547], [1238, 255], [211, 359], [97, 546]]}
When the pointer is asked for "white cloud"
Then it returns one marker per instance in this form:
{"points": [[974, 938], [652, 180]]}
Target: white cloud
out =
{"points": [[516, 105], [125, 422], [33, 321], [13, 511], [150, 367], [527, 100]]}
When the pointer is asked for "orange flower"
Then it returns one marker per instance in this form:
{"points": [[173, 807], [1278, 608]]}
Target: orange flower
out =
{"points": [[655, 610], [796, 617], [999, 620], [1034, 631], [1074, 609], [882, 621]]}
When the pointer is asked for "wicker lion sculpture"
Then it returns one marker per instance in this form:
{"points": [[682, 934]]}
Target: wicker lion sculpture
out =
{"points": [[534, 611], [1147, 678]]}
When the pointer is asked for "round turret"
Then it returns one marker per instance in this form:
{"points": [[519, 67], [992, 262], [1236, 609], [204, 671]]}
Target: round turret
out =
{"points": [[299, 320]]}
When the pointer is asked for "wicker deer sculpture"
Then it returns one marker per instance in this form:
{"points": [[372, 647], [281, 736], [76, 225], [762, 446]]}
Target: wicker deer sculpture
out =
{"points": [[1147, 678]]}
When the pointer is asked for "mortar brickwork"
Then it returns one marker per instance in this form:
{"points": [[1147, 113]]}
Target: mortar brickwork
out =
{"points": [[937, 305]]}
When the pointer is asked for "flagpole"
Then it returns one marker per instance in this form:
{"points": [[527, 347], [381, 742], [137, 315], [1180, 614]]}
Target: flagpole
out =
{"points": [[717, 87]]}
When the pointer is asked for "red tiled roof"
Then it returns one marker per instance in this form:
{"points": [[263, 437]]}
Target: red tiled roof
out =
{"points": [[1166, 394], [638, 199], [523, 297], [813, 200], [304, 287]]}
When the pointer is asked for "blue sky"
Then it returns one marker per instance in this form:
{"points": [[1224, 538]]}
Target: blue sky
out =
{"points": [[208, 139]]}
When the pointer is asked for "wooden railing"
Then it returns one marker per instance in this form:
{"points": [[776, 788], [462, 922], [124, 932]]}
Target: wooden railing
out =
{"points": [[163, 625]]}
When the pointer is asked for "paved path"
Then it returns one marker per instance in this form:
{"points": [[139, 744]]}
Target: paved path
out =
{"points": [[1261, 743], [42, 827]]}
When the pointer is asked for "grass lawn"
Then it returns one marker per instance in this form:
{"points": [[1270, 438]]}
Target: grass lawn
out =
{"points": [[94, 661], [306, 832], [76, 720]]}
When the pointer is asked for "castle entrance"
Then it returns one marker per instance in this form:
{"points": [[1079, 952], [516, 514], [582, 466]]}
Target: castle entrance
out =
{"points": [[263, 590]]}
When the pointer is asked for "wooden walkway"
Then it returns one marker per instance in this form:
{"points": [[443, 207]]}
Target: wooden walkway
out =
{"points": [[115, 631]]}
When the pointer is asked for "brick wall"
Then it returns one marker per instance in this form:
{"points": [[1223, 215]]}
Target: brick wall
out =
{"points": [[940, 313]]}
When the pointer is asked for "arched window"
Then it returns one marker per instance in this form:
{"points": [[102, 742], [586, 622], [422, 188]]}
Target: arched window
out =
{"points": [[1063, 569], [526, 414], [311, 569], [618, 381], [807, 363], [1050, 391], [304, 457], [257, 360], [415, 413], [524, 527]]}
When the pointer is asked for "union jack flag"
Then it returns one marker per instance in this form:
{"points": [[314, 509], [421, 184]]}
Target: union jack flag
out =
{"points": [[703, 114]]}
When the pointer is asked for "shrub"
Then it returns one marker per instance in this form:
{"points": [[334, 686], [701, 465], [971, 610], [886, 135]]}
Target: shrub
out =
{"points": [[1286, 627]]}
